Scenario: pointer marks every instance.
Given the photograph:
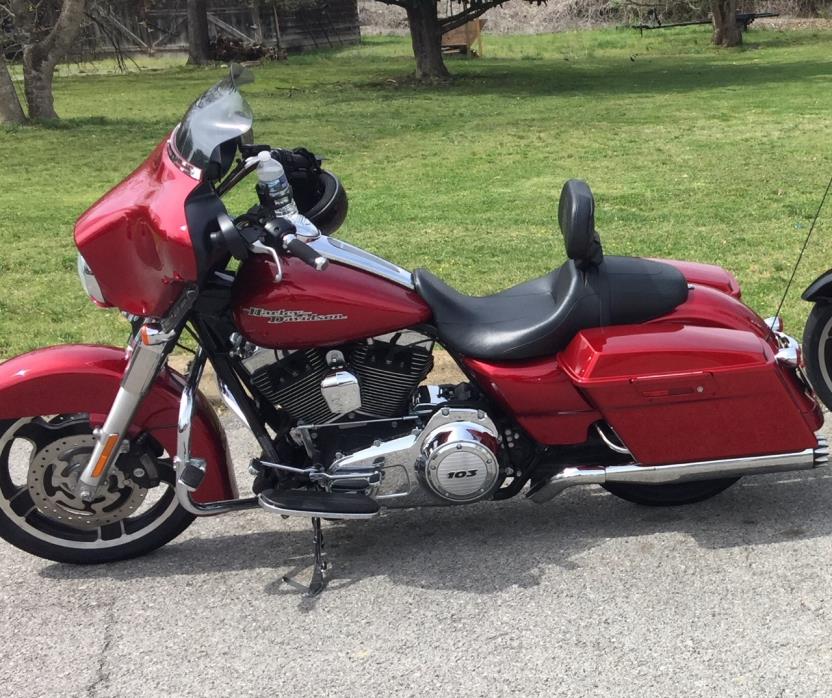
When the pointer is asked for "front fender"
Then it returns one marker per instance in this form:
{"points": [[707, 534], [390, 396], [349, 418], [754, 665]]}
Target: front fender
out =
{"points": [[85, 378], [820, 289]]}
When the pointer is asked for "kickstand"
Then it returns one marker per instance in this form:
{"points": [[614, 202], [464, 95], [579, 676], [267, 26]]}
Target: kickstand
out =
{"points": [[319, 567]]}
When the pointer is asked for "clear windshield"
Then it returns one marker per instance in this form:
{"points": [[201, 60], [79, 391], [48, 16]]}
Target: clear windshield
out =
{"points": [[219, 115]]}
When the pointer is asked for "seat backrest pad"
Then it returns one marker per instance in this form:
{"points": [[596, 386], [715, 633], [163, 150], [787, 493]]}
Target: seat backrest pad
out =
{"points": [[576, 216]]}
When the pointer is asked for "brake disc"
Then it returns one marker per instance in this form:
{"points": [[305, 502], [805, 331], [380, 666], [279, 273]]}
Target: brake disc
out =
{"points": [[53, 475]]}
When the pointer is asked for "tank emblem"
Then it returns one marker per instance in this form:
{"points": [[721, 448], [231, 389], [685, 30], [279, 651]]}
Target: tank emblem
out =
{"points": [[275, 317]]}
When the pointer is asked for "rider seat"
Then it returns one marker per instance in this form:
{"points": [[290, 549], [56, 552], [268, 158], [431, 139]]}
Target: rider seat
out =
{"points": [[540, 317]]}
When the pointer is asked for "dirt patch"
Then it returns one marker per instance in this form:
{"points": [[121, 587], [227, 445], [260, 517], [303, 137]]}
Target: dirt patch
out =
{"points": [[520, 17], [514, 17]]}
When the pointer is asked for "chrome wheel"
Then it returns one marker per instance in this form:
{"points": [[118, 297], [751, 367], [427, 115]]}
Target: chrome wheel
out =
{"points": [[40, 461]]}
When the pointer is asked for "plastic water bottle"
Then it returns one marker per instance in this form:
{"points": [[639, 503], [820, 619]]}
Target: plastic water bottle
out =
{"points": [[274, 183]]}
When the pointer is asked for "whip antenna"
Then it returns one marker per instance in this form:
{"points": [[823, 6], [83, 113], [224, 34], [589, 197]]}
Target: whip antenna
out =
{"points": [[800, 256]]}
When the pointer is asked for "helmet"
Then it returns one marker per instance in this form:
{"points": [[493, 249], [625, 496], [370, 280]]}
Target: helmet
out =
{"points": [[323, 202]]}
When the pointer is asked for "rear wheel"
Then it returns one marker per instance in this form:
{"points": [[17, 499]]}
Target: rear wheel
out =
{"points": [[817, 351], [41, 459], [669, 495]]}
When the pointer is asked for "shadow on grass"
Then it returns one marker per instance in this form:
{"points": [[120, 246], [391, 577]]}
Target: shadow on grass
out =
{"points": [[490, 547], [637, 75]]}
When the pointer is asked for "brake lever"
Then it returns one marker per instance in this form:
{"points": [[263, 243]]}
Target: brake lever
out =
{"points": [[258, 247]]}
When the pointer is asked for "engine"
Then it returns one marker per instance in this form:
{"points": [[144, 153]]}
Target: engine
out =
{"points": [[375, 378], [452, 459], [445, 451]]}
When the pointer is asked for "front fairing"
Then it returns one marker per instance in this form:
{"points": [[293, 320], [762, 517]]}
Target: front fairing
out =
{"points": [[136, 240]]}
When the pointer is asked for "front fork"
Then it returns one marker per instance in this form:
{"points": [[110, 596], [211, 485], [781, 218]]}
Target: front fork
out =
{"points": [[150, 347]]}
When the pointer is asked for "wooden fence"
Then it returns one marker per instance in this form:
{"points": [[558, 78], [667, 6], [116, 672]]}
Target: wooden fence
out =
{"points": [[151, 26]]}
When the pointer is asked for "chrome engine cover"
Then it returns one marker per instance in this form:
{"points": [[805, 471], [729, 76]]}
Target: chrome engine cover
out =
{"points": [[422, 468], [459, 462]]}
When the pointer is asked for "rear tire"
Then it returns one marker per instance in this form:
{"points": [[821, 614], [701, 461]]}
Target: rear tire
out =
{"points": [[40, 514], [817, 351], [675, 494]]}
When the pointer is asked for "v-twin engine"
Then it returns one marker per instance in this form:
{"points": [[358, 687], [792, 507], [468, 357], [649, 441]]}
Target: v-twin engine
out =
{"points": [[452, 460]]}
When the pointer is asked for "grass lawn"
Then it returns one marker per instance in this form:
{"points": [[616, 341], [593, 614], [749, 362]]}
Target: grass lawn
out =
{"points": [[694, 153]]}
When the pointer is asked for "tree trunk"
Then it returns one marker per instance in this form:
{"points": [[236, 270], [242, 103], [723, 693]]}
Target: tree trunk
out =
{"points": [[38, 71], [41, 57], [198, 40], [426, 36], [10, 110], [726, 30]]}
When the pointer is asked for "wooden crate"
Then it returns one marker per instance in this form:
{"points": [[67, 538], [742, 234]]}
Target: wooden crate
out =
{"points": [[462, 39]]}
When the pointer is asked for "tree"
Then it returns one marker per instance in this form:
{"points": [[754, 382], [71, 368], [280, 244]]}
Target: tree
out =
{"points": [[726, 30], [198, 40], [427, 28], [11, 112], [46, 31]]}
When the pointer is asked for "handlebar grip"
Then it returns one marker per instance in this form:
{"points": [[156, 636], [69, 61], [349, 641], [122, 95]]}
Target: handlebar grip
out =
{"points": [[306, 254]]}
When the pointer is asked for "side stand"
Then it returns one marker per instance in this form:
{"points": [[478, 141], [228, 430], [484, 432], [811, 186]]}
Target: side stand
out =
{"points": [[320, 566]]}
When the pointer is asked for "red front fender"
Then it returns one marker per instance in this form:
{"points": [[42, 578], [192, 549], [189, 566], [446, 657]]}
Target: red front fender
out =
{"points": [[86, 377]]}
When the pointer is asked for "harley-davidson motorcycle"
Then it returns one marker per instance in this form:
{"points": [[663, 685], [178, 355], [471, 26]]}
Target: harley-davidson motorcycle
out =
{"points": [[648, 377]]}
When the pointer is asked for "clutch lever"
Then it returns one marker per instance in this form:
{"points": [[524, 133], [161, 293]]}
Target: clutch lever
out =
{"points": [[258, 247]]}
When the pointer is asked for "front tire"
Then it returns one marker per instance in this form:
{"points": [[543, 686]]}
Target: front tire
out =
{"points": [[817, 351], [40, 460]]}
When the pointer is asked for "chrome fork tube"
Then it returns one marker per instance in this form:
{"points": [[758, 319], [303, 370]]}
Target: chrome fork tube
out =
{"points": [[186, 410], [183, 459], [150, 348]]}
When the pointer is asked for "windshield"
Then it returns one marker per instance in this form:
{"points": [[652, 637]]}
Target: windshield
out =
{"points": [[219, 115]]}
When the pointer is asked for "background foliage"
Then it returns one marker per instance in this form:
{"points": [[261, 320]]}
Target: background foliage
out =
{"points": [[692, 152]]}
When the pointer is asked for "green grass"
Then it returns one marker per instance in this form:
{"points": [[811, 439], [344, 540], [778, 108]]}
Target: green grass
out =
{"points": [[695, 153]]}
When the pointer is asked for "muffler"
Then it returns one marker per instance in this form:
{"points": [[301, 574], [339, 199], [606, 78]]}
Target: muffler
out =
{"points": [[633, 473]]}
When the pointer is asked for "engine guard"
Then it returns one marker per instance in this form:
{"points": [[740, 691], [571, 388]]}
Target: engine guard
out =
{"points": [[85, 378]]}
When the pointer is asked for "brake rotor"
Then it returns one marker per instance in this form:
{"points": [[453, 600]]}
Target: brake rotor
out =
{"points": [[53, 475]]}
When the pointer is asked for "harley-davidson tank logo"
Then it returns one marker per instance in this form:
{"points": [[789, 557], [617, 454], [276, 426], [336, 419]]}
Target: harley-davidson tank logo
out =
{"points": [[275, 317]]}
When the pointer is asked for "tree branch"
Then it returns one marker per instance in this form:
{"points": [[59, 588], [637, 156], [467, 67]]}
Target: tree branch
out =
{"points": [[58, 42], [471, 12]]}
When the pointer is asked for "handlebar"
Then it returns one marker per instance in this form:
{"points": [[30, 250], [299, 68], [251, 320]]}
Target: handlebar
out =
{"points": [[298, 248], [276, 236]]}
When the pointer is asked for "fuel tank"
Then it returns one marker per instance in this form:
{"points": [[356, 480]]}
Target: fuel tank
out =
{"points": [[311, 308]]}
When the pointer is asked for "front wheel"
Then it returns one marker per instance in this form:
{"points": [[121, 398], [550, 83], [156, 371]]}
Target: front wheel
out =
{"points": [[41, 459], [817, 351]]}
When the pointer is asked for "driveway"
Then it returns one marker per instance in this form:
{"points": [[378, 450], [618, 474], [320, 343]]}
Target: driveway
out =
{"points": [[586, 595]]}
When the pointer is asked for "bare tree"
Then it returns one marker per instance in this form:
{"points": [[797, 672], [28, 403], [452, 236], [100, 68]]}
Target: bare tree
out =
{"points": [[10, 110], [427, 28], [198, 40], [46, 31], [726, 30]]}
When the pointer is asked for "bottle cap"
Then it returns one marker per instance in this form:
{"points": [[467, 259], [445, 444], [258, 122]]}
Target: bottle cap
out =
{"points": [[264, 156]]}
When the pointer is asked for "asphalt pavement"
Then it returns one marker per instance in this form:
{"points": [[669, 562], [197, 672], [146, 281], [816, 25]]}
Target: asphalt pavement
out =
{"points": [[587, 595]]}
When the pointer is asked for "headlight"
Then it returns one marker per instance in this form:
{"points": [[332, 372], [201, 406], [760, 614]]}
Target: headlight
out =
{"points": [[90, 283]]}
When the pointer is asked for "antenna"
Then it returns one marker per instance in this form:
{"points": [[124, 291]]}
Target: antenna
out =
{"points": [[800, 257]]}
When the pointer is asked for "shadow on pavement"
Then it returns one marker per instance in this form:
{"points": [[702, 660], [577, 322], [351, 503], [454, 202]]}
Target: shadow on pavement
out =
{"points": [[490, 547]]}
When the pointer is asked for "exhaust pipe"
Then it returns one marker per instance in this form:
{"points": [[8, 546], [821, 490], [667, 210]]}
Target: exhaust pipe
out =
{"points": [[571, 476]]}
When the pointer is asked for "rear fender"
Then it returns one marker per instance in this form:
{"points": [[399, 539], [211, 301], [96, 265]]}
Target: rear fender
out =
{"points": [[820, 289], [708, 307], [85, 378]]}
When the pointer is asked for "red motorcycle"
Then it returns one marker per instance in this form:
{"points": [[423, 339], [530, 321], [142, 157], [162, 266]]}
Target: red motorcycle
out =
{"points": [[648, 377]]}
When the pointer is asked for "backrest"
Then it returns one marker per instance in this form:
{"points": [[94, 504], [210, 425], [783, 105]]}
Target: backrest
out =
{"points": [[576, 216]]}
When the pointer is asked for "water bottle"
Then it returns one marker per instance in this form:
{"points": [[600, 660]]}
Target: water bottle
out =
{"points": [[273, 183], [273, 187]]}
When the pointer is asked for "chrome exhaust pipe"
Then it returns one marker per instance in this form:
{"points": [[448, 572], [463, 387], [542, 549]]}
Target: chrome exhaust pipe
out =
{"points": [[633, 473]]}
